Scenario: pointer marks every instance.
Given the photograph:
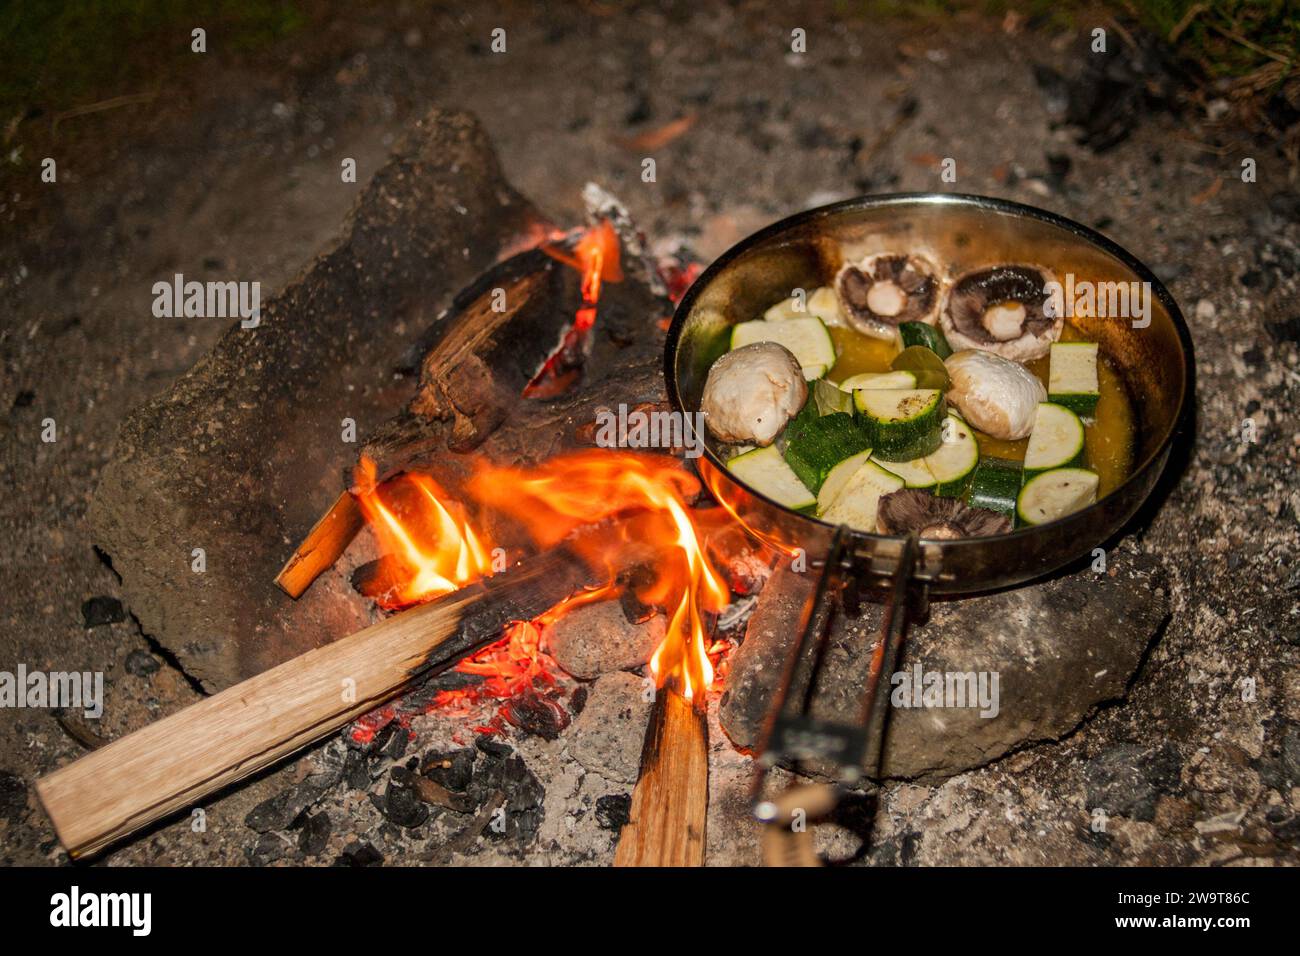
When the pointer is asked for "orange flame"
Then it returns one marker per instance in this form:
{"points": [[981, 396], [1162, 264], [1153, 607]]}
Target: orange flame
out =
{"points": [[432, 541], [650, 492], [437, 551]]}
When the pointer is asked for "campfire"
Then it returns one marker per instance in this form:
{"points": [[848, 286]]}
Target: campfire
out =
{"points": [[489, 525]]}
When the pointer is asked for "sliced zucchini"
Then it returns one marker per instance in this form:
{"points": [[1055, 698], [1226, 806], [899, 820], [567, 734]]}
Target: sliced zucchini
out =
{"points": [[879, 380], [806, 338], [838, 478], [947, 470], [829, 397], [1056, 441], [995, 485], [918, 333], [825, 305], [812, 373], [901, 423], [855, 504], [822, 444], [1072, 377], [764, 470], [914, 473], [821, 304], [1055, 494], [953, 463]]}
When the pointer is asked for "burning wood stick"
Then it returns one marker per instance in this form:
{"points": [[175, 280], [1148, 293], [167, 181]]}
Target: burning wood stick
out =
{"points": [[671, 800], [175, 762], [324, 544]]}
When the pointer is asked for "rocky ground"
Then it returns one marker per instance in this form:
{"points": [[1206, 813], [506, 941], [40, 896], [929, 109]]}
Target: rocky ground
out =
{"points": [[239, 177]]}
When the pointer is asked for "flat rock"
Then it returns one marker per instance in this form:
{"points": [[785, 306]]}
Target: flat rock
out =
{"points": [[1058, 649], [598, 638], [608, 735], [238, 459]]}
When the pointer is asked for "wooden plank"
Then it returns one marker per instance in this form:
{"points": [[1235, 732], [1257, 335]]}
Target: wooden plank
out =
{"points": [[671, 801], [326, 541]]}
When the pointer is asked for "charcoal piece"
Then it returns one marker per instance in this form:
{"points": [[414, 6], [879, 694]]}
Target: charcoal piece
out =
{"points": [[140, 663], [397, 741], [268, 849], [401, 805], [102, 610], [452, 769], [315, 834], [13, 796], [359, 854], [498, 776], [534, 714], [493, 748], [356, 770], [578, 700], [613, 811], [280, 811]]}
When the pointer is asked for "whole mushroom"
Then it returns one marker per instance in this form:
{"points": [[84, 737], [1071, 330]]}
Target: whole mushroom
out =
{"points": [[751, 393], [1002, 310], [995, 395]]}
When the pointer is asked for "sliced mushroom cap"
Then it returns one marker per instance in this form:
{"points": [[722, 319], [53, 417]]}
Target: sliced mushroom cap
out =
{"points": [[751, 392], [884, 290], [1001, 310], [995, 395], [913, 511]]}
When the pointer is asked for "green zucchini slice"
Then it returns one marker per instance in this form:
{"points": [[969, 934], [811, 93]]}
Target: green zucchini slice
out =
{"points": [[823, 443], [1056, 441], [1072, 377], [947, 470], [901, 423], [995, 485], [838, 478], [1055, 494], [856, 502], [764, 470], [879, 380], [806, 338]]}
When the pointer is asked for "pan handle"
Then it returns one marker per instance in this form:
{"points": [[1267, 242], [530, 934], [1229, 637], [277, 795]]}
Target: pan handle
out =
{"points": [[795, 737]]}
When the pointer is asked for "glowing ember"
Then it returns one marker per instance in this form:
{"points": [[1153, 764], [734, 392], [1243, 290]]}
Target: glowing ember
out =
{"points": [[596, 256], [431, 541]]}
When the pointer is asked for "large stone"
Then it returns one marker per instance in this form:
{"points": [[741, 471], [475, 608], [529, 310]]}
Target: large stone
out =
{"points": [[1058, 649], [609, 734], [242, 455], [598, 638]]}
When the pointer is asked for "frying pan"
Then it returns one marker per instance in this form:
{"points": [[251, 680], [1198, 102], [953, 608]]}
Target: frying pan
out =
{"points": [[959, 233]]}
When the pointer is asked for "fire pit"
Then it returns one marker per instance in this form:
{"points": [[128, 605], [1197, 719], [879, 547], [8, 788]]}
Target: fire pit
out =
{"points": [[554, 621]]}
